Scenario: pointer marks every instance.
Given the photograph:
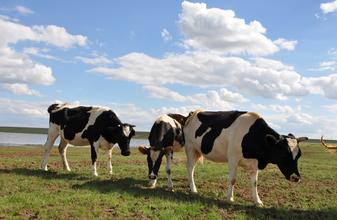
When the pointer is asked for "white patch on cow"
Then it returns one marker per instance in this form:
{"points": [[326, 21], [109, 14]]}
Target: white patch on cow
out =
{"points": [[167, 119], [126, 130], [154, 155], [293, 147]]}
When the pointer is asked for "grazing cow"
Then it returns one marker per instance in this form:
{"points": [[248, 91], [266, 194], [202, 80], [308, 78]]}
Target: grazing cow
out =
{"points": [[86, 125], [328, 147], [241, 139], [166, 136]]}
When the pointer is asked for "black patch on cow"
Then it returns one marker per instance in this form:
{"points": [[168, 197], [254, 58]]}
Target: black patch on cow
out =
{"points": [[254, 143], [104, 125], [216, 121], [161, 135], [71, 120]]}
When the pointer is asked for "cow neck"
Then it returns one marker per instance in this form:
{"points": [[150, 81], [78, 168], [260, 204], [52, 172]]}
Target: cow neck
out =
{"points": [[254, 144]]}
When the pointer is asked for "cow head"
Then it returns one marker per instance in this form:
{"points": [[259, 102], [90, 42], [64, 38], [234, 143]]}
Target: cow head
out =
{"points": [[285, 153], [121, 134], [154, 159]]}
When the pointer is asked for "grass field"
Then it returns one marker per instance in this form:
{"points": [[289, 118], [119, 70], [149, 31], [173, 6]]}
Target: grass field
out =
{"points": [[28, 193]]}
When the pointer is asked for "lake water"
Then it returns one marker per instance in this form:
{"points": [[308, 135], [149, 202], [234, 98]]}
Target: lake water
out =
{"points": [[19, 139]]}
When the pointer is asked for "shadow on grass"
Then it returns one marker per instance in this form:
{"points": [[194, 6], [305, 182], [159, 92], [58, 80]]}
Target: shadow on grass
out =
{"points": [[44, 174], [136, 188]]}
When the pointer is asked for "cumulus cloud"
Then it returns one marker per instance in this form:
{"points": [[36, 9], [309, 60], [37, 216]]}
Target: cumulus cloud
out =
{"points": [[58, 36], [16, 68], [19, 107], [220, 30], [329, 7], [324, 85], [286, 44], [165, 35], [264, 77], [221, 99]]}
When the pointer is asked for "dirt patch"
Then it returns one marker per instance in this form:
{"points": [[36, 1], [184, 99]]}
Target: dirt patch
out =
{"points": [[28, 214]]}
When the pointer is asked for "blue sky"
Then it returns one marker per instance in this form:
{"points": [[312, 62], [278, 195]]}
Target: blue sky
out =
{"points": [[146, 58]]}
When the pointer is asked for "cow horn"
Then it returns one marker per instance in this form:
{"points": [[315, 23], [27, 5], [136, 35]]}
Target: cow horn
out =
{"points": [[327, 146]]}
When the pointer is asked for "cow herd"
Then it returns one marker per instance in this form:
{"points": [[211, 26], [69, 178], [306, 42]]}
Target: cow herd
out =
{"points": [[239, 138]]}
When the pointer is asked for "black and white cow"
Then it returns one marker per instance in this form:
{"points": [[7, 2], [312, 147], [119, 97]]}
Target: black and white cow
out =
{"points": [[241, 139], [166, 136], [86, 125]]}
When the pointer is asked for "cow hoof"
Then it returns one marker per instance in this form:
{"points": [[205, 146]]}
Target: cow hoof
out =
{"points": [[44, 168], [171, 189], [110, 172], [68, 169], [152, 186], [231, 200], [95, 174], [259, 204]]}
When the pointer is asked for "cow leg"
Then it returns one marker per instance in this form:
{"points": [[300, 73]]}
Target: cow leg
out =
{"points": [[169, 157], [52, 135], [94, 152], [253, 178], [232, 168], [109, 161], [63, 152], [251, 166], [191, 161]]}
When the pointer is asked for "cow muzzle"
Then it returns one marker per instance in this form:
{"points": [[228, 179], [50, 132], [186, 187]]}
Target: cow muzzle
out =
{"points": [[125, 153], [295, 178]]}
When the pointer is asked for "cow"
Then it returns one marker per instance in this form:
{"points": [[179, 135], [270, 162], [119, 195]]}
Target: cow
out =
{"points": [[328, 147], [241, 139], [166, 136], [98, 127]]}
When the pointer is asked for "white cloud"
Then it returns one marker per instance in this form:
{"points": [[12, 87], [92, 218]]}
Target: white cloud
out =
{"points": [[165, 35], [58, 36], [331, 108], [324, 85], [263, 77], [219, 30], [286, 44], [19, 107], [39, 53], [95, 59], [329, 7], [23, 10], [20, 89], [16, 68], [221, 99], [333, 52]]}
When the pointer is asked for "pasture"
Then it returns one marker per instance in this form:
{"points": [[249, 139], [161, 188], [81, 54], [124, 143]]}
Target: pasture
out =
{"points": [[28, 193]]}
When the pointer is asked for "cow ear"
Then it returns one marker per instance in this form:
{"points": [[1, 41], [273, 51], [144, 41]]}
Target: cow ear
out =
{"points": [[291, 135], [271, 140], [144, 150], [300, 139]]}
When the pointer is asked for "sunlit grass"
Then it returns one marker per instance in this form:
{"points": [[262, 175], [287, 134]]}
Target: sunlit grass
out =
{"points": [[26, 192]]}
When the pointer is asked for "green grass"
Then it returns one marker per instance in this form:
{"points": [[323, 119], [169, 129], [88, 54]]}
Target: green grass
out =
{"points": [[28, 193]]}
